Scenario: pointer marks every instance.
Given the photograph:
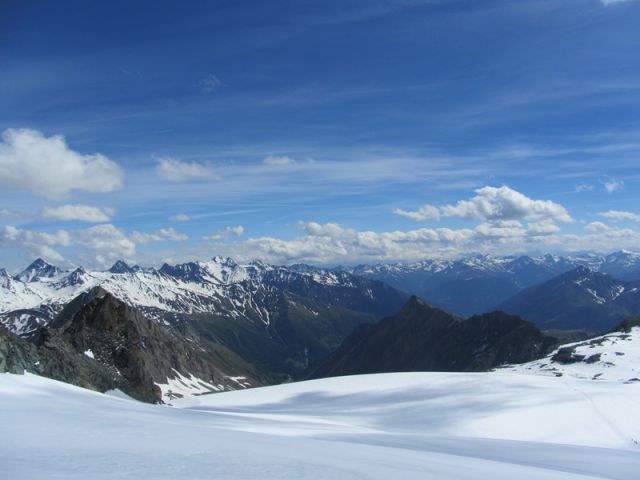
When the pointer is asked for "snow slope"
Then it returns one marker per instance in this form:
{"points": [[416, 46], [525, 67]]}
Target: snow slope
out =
{"points": [[414, 425], [615, 357]]}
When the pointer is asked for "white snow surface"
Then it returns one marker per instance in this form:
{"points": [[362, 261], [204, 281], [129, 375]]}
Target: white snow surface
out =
{"points": [[405, 426], [614, 357]]}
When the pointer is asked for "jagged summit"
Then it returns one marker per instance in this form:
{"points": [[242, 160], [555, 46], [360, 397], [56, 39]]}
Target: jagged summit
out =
{"points": [[37, 270], [120, 267]]}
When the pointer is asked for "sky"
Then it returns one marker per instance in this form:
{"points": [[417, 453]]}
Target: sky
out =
{"points": [[335, 132]]}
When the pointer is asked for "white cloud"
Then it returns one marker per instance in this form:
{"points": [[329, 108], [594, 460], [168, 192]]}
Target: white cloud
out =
{"points": [[546, 227], [426, 212], [178, 171], [106, 241], [162, 235], [620, 215], [181, 217], [285, 161], [278, 161], [48, 167], [613, 185], [597, 227], [332, 243], [36, 243], [83, 213], [225, 233], [494, 204], [503, 229]]}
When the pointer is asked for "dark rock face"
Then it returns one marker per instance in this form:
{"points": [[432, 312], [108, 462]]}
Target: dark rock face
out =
{"points": [[103, 344], [423, 338], [140, 352], [53, 357]]}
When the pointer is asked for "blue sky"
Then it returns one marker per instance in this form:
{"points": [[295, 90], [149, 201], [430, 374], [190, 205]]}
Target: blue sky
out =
{"points": [[152, 131]]}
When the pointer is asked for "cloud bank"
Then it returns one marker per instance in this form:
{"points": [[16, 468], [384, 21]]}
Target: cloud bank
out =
{"points": [[493, 204]]}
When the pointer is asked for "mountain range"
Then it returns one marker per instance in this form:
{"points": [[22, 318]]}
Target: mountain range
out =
{"points": [[579, 299], [255, 322], [200, 327], [482, 283]]}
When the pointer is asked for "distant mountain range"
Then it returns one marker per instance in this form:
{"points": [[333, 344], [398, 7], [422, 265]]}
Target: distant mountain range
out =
{"points": [[482, 283], [277, 320], [579, 299], [211, 326]]}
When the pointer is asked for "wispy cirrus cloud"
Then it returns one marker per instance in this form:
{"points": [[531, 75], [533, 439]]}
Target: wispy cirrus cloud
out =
{"points": [[180, 217]]}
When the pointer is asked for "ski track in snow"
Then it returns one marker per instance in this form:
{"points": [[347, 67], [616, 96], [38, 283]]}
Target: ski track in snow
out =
{"points": [[409, 425]]}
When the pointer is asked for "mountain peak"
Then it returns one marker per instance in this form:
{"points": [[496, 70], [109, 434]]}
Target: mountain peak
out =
{"points": [[120, 267], [38, 269], [227, 261]]}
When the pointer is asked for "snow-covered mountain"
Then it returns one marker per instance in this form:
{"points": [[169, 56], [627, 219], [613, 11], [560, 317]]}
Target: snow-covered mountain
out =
{"points": [[479, 283], [579, 299], [32, 298], [277, 320]]}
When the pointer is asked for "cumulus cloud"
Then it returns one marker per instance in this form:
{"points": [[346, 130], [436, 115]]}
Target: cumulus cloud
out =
{"points": [[225, 233], [426, 212], [332, 243], [597, 227], [546, 227], [48, 167], [162, 235], [494, 204], [106, 242], [82, 213], [178, 171], [36, 243], [613, 185], [502, 229], [620, 215], [181, 217]]}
